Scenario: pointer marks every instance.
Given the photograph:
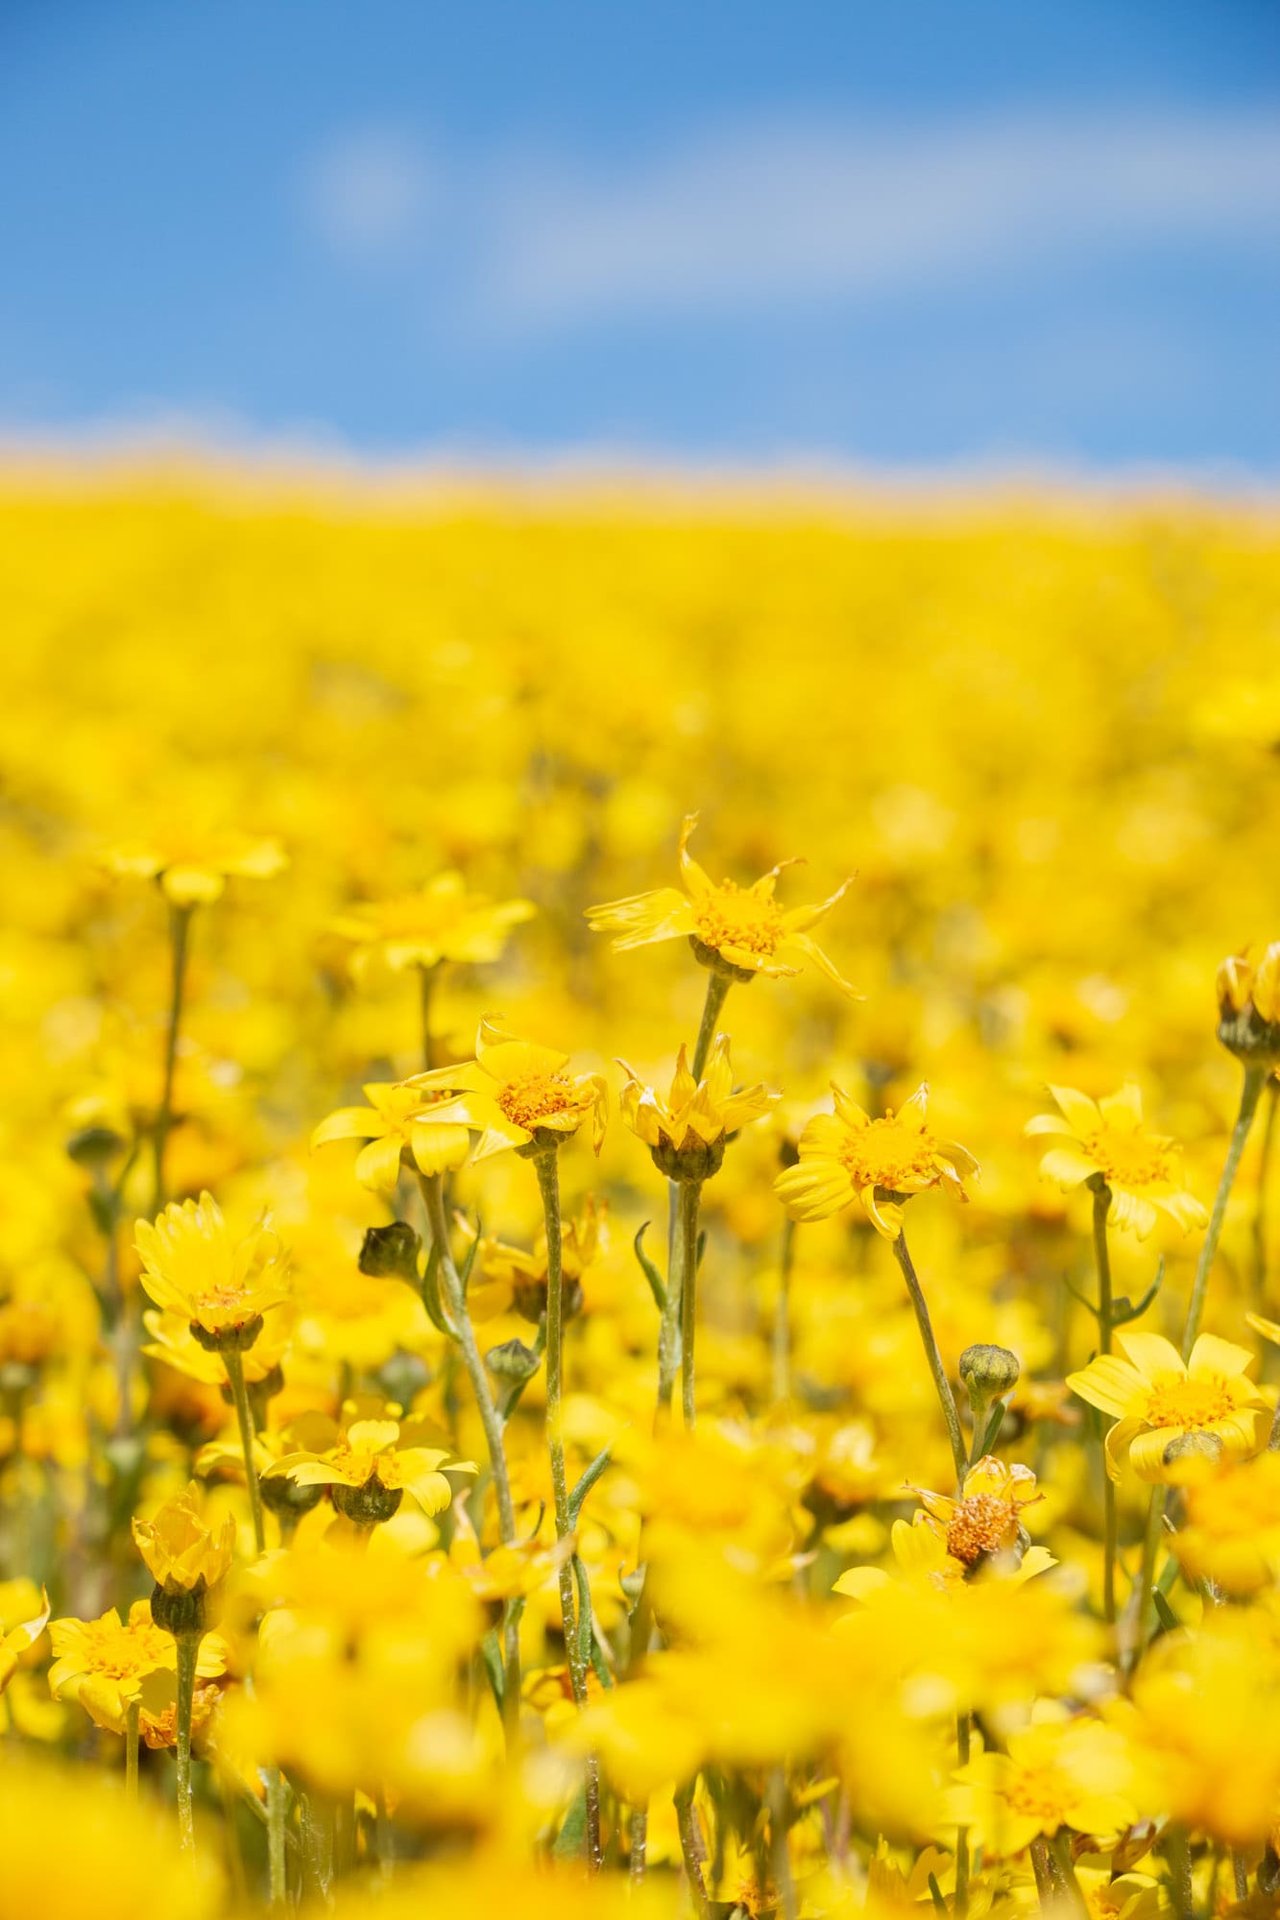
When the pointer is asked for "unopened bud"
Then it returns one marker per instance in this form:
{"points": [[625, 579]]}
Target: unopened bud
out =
{"points": [[369, 1505], [513, 1360], [989, 1372], [391, 1253]]}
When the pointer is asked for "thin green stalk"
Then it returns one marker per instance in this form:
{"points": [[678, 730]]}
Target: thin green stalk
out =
{"points": [[1110, 1521], [946, 1399], [638, 1842], [460, 1319], [780, 1856], [233, 1361], [1260, 1205], [276, 1872], [963, 1731], [179, 941], [782, 1317], [669, 1328], [547, 1167], [690, 1197], [718, 985], [188, 1652], [692, 1848], [1178, 1855], [1073, 1897], [131, 1749], [1255, 1078], [1146, 1575]]}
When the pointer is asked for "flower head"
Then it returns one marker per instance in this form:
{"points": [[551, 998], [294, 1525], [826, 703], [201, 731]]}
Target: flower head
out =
{"points": [[1231, 1534], [1159, 1400], [507, 1277], [403, 1127], [985, 1517], [847, 1156], [102, 1664], [739, 928], [514, 1091], [20, 1640], [193, 1267], [442, 921], [193, 868], [180, 1552], [688, 1129], [1055, 1773], [1108, 1142], [1249, 1005], [373, 1458]]}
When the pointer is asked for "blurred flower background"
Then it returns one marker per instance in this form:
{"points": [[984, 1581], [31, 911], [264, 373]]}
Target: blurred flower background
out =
{"points": [[484, 493]]}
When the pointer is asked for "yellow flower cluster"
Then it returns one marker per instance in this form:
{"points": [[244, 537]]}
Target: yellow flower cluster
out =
{"points": [[466, 1472]]}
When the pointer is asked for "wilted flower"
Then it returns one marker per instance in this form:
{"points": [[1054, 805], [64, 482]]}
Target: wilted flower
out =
{"points": [[181, 1553]]}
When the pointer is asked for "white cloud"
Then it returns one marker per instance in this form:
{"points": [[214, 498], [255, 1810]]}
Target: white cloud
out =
{"points": [[368, 193], [789, 215]]}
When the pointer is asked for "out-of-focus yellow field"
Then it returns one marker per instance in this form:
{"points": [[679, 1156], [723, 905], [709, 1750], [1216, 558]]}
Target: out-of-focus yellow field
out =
{"points": [[1041, 738]]}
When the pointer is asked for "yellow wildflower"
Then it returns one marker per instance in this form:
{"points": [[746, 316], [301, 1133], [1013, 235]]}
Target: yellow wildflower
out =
{"points": [[985, 1518], [1157, 1398], [403, 1127], [847, 1156], [193, 1267], [192, 867], [515, 1090], [102, 1663], [1108, 1141], [180, 1552], [1231, 1534], [689, 1128], [20, 1640], [742, 928], [442, 921], [377, 1459], [1073, 1773]]}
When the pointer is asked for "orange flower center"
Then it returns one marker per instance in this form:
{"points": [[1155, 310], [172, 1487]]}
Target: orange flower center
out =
{"points": [[1190, 1404], [124, 1652], [534, 1098], [983, 1523], [360, 1465], [1037, 1795], [1132, 1159], [886, 1154], [734, 916]]}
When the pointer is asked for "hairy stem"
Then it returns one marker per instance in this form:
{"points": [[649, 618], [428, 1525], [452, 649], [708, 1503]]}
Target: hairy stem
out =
{"points": [[233, 1361], [718, 985], [1102, 1259], [188, 1651], [179, 945], [690, 1197], [1255, 1078], [782, 1316], [946, 1399]]}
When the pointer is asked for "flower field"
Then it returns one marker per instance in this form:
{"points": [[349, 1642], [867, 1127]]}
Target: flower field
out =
{"points": [[557, 1360]]}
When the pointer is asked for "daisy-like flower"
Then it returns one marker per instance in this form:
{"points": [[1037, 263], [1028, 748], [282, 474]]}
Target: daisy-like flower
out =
{"points": [[404, 1127], [440, 922], [686, 1132], [1158, 1399], [847, 1156], [20, 1640], [182, 1555], [986, 1517], [507, 1277], [173, 1344], [1106, 1140], [370, 1462], [514, 1091], [193, 868], [1249, 1005], [221, 1287], [741, 929], [1055, 1773], [103, 1663], [922, 1559], [1231, 1534]]}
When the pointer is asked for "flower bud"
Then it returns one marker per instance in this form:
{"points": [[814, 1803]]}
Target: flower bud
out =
{"points": [[989, 1372], [513, 1360], [391, 1253], [691, 1163], [284, 1496], [1249, 1006], [368, 1505], [237, 1338], [182, 1612], [1190, 1457]]}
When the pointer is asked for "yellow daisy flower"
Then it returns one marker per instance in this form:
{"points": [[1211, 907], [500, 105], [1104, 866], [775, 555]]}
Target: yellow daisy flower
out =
{"points": [[20, 1640], [1231, 1533], [1108, 1141], [193, 868], [101, 1664], [692, 1124], [403, 1127], [442, 921], [378, 1459], [514, 1090], [192, 1266], [1073, 1773], [180, 1552], [847, 1156], [742, 928], [1156, 1398]]}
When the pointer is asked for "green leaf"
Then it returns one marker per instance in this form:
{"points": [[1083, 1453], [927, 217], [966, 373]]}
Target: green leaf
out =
{"points": [[1164, 1612], [935, 1893], [586, 1483], [651, 1274], [491, 1654], [464, 1271], [431, 1295], [994, 1424], [1124, 1311], [572, 1837]]}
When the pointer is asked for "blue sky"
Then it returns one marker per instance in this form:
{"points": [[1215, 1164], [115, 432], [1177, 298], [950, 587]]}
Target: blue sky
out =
{"points": [[923, 233]]}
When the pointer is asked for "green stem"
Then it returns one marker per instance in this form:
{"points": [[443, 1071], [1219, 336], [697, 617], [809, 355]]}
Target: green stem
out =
{"points": [[1178, 1854], [946, 1399], [718, 985], [692, 1848], [669, 1328], [1255, 1078], [179, 940], [782, 1317], [1260, 1206], [690, 1197], [547, 1167], [1146, 1574], [188, 1651], [464, 1333], [1110, 1519], [276, 1873], [963, 1729], [638, 1842], [233, 1361], [131, 1749]]}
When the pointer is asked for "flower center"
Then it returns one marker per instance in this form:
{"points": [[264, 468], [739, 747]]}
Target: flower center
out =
{"points": [[1037, 1795], [124, 1653], [1135, 1159], [981, 1524], [361, 1464], [1190, 1404], [734, 916], [886, 1154], [533, 1097]]}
